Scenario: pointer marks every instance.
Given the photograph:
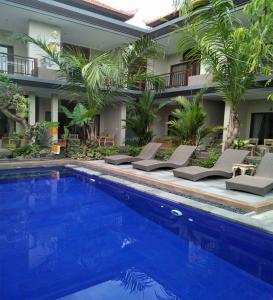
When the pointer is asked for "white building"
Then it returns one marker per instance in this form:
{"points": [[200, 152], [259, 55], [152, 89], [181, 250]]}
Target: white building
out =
{"points": [[92, 26]]}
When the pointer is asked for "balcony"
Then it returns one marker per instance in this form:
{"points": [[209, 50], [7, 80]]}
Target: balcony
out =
{"points": [[171, 80], [19, 65], [178, 78]]}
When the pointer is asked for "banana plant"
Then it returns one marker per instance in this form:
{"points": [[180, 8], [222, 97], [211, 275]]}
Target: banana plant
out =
{"points": [[82, 118]]}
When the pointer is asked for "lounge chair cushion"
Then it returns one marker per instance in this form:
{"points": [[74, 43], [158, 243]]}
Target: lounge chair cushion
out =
{"points": [[179, 158], [147, 152], [222, 168], [252, 184], [152, 164], [120, 159], [195, 173]]}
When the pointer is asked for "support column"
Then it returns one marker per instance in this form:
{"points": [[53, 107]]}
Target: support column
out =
{"points": [[226, 122], [54, 114], [122, 123], [32, 109]]}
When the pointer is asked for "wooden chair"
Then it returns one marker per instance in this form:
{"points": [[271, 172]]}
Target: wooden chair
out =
{"points": [[109, 140], [268, 142], [252, 146], [266, 147], [101, 139]]}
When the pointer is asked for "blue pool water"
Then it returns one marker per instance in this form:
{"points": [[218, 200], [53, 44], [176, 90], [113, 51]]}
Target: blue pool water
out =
{"points": [[64, 235]]}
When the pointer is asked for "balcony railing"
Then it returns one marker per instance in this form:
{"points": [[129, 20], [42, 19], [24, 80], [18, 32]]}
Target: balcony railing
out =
{"points": [[171, 80], [16, 64]]}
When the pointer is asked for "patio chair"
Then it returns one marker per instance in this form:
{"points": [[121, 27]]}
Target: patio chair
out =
{"points": [[222, 168], [266, 147], [147, 152], [179, 158], [109, 140], [259, 184], [252, 146]]}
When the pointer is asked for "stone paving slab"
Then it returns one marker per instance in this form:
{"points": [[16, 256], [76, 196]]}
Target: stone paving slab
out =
{"points": [[209, 189]]}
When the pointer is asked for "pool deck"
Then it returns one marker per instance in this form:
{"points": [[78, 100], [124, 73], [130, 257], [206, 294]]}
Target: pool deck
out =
{"points": [[213, 189], [164, 184]]}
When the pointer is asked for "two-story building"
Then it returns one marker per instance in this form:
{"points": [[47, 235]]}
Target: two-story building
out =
{"points": [[90, 26]]}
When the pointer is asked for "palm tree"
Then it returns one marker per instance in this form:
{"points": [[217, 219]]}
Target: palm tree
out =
{"points": [[212, 33], [188, 125], [142, 114], [97, 79]]}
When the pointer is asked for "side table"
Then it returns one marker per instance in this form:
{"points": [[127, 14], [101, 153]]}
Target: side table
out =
{"points": [[243, 169]]}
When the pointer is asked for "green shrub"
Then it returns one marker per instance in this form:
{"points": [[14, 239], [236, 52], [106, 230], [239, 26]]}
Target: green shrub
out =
{"points": [[165, 154], [240, 143], [209, 162], [26, 150], [74, 148], [101, 152], [31, 151], [132, 150]]}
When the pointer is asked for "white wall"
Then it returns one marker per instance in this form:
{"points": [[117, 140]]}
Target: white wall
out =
{"points": [[215, 112], [46, 32], [160, 128], [163, 65], [19, 47], [111, 122], [248, 107], [44, 106]]}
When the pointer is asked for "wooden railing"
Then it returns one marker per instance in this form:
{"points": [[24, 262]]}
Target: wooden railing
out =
{"points": [[171, 80], [16, 64]]}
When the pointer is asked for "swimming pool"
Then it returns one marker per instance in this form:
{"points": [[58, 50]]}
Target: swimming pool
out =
{"points": [[66, 235]]}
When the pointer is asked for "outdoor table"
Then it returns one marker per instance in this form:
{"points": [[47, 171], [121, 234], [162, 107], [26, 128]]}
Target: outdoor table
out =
{"points": [[243, 169]]}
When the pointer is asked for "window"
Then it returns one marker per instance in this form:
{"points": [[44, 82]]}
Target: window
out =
{"points": [[48, 116], [6, 59], [179, 75], [261, 126], [170, 118], [180, 72]]}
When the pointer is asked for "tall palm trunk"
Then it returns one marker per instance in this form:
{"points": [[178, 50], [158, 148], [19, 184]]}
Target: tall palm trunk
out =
{"points": [[233, 128]]}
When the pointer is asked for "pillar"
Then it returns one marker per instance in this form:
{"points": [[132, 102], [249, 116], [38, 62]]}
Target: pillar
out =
{"points": [[226, 122], [54, 113], [122, 129], [32, 109]]}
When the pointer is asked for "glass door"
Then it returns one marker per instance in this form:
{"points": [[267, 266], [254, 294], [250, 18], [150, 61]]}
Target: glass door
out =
{"points": [[6, 59], [178, 76], [261, 126]]}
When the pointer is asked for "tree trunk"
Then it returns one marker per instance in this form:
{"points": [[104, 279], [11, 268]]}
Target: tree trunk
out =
{"points": [[14, 117], [233, 129]]}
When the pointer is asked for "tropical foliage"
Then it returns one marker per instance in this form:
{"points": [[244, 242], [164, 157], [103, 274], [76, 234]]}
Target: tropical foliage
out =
{"points": [[13, 103], [208, 162], [188, 125], [98, 79], [260, 30], [240, 143], [142, 114], [80, 117], [213, 34]]}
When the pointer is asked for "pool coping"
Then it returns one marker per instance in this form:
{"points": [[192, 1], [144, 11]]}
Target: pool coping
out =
{"points": [[162, 192], [260, 207]]}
